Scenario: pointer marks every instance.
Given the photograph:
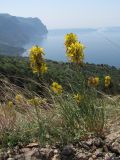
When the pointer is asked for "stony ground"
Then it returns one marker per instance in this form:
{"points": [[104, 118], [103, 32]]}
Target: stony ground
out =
{"points": [[91, 149]]}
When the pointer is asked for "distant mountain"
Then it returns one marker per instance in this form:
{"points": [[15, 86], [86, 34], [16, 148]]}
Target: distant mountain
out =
{"points": [[110, 29], [17, 31], [113, 29]]}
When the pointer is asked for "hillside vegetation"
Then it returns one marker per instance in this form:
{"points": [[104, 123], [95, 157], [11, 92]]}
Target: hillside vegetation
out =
{"points": [[18, 70], [50, 103], [10, 50]]}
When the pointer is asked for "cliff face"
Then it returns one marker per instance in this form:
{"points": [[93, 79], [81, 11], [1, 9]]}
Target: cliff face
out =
{"points": [[17, 31]]}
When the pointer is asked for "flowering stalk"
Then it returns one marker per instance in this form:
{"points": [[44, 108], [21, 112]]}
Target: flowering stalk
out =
{"points": [[37, 61]]}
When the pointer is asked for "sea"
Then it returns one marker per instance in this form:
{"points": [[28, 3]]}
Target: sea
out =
{"points": [[102, 46]]}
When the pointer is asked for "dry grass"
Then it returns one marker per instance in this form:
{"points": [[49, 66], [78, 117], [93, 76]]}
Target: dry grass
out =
{"points": [[59, 119]]}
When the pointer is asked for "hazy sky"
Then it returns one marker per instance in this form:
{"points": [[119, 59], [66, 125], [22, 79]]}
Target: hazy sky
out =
{"points": [[66, 13]]}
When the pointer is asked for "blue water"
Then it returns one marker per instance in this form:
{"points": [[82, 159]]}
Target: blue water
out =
{"points": [[102, 47]]}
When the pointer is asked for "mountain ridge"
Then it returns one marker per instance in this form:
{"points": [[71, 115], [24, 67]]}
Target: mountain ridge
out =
{"points": [[17, 31]]}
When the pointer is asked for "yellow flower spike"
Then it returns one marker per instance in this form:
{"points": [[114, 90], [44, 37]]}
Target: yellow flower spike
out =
{"points": [[30, 102], [97, 81], [75, 52], [10, 104], [37, 61], [69, 39], [77, 97], [107, 81], [56, 88], [93, 81], [107, 78], [18, 97], [44, 68], [37, 51], [36, 101]]}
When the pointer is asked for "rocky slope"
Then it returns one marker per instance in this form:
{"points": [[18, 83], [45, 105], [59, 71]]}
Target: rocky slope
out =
{"points": [[91, 149]]}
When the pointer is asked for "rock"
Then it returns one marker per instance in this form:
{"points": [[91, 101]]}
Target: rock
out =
{"points": [[25, 150], [17, 150], [33, 153], [19, 157], [56, 151], [50, 154], [32, 145], [1, 155], [99, 153], [113, 136], [93, 149], [10, 152], [105, 148], [46, 152], [110, 156], [98, 142], [115, 147], [90, 159], [113, 142], [56, 157], [11, 159], [107, 157], [89, 154], [89, 142], [94, 156], [6, 155], [68, 150], [86, 147], [81, 156], [83, 146]]}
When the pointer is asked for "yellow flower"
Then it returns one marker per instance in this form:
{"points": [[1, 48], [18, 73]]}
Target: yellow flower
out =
{"points": [[37, 101], [107, 81], [75, 52], [37, 61], [18, 97], [10, 104], [69, 39], [97, 81], [107, 78], [44, 68], [57, 88], [34, 101], [40, 69], [93, 81], [77, 97]]}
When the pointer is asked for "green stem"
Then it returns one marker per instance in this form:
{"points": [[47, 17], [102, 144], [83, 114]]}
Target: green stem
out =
{"points": [[40, 127]]}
